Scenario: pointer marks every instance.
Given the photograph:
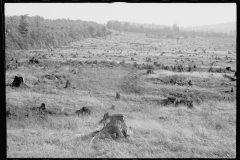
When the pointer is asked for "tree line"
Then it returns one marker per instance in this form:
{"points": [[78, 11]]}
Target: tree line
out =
{"points": [[25, 32], [160, 31]]}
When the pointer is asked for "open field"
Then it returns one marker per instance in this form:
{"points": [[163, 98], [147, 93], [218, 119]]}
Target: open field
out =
{"points": [[97, 68]]}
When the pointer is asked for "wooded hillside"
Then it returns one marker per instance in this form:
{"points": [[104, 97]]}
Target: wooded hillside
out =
{"points": [[24, 32], [161, 30]]}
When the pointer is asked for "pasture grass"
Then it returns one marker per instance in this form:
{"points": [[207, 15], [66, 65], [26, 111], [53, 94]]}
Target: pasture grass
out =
{"points": [[206, 131]]}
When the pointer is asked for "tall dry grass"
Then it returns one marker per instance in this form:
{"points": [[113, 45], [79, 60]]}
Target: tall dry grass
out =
{"points": [[207, 131]]}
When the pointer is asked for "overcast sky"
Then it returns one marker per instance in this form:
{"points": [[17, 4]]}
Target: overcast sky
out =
{"points": [[183, 14]]}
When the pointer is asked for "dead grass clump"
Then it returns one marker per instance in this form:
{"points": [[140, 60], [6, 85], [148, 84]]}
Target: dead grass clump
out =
{"points": [[157, 64], [95, 62], [218, 70], [15, 55], [122, 62], [150, 71], [11, 66], [112, 63], [165, 67], [60, 123], [230, 77], [11, 60], [175, 79], [199, 95], [88, 62], [148, 66], [33, 60], [189, 69], [178, 68], [148, 59], [15, 112], [51, 77], [214, 83], [135, 64], [104, 62], [132, 84], [20, 117]]}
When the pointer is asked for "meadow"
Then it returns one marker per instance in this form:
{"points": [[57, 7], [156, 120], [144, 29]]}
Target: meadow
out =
{"points": [[97, 68]]}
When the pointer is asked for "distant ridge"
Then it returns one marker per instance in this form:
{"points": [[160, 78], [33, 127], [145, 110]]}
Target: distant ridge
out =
{"points": [[221, 27], [228, 27]]}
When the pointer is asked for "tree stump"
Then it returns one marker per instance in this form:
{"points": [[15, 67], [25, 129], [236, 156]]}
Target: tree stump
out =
{"points": [[117, 96], [17, 82], [67, 84]]}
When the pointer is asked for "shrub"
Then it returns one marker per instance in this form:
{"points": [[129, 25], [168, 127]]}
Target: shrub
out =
{"points": [[165, 67]]}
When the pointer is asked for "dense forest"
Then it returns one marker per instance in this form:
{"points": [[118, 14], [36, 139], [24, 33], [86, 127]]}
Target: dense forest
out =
{"points": [[25, 32], [161, 31]]}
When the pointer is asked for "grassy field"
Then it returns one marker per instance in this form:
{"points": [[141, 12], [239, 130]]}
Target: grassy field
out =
{"points": [[97, 68]]}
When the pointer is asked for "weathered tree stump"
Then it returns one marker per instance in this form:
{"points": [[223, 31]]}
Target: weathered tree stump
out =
{"points": [[190, 83], [149, 71], [114, 128], [84, 111], [17, 82], [67, 84], [117, 96]]}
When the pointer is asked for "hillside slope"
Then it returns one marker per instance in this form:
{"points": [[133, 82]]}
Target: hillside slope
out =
{"points": [[45, 33], [222, 27]]}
